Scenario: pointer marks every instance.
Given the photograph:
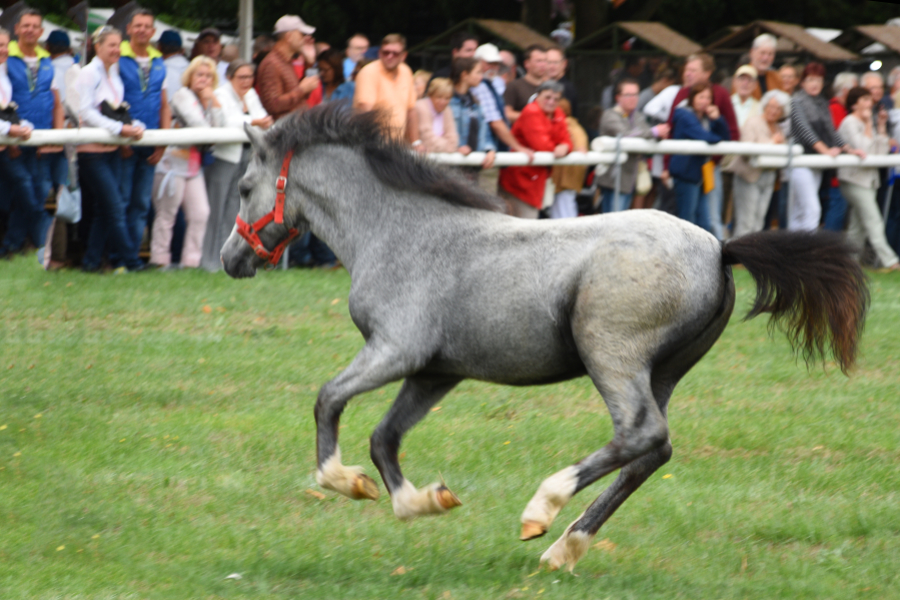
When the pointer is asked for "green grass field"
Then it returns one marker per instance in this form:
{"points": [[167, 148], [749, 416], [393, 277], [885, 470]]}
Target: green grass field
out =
{"points": [[156, 436]]}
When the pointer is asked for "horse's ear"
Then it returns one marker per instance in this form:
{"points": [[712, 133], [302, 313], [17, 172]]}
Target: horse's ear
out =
{"points": [[256, 137]]}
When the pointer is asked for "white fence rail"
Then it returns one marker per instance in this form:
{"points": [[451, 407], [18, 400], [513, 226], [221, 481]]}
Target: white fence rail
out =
{"points": [[767, 156]]}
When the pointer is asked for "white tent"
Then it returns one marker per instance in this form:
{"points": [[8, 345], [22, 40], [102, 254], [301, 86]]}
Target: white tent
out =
{"points": [[101, 15]]}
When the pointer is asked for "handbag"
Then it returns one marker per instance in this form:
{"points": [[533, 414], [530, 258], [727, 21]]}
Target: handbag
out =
{"points": [[549, 194], [120, 114], [644, 182], [68, 204]]}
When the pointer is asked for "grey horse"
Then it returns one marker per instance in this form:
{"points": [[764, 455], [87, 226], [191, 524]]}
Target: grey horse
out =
{"points": [[445, 287]]}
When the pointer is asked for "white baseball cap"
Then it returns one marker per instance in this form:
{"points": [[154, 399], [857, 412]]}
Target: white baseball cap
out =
{"points": [[488, 53], [292, 23], [747, 70]]}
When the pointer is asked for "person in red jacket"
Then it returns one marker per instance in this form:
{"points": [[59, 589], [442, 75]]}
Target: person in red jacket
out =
{"points": [[540, 127]]}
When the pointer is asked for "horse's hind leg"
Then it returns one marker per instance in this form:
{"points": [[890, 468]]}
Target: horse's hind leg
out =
{"points": [[640, 428], [572, 545], [415, 399], [373, 367]]}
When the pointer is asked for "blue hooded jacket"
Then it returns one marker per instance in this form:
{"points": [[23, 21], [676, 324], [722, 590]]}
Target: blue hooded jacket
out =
{"points": [[686, 126], [145, 99], [35, 98]]}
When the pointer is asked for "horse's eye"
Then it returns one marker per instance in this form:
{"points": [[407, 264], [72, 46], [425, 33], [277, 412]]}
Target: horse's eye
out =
{"points": [[244, 189]]}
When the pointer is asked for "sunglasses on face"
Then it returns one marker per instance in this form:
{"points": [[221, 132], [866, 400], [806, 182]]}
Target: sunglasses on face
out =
{"points": [[389, 53]]}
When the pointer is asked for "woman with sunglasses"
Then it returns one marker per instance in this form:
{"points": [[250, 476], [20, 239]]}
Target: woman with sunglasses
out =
{"points": [[240, 105]]}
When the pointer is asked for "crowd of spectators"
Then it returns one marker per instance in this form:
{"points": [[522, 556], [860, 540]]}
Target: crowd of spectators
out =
{"points": [[174, 207]]}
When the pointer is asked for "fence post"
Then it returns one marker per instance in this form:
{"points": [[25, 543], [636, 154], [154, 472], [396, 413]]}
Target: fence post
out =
{"points": [[787, 188], [618, 167]]}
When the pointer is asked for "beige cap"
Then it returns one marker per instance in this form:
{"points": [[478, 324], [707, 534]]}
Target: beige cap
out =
{"points": [[292, 23], [488, 53], [746, 70]]}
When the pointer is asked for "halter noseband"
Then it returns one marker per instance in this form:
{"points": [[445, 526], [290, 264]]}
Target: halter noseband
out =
{"points": [[249, 232]]}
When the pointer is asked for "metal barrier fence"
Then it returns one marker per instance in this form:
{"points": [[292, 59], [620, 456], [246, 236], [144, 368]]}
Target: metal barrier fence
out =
{"points": [[603, 149]]}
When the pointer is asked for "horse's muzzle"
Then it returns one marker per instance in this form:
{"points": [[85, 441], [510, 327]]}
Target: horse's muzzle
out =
{"points": [[238, 258]]}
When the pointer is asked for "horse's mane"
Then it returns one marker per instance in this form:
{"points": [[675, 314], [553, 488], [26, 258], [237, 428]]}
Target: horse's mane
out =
{"points": [[392, 162]]}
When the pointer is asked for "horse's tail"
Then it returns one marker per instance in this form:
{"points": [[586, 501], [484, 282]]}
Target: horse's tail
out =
{"points": [[812, 286]]}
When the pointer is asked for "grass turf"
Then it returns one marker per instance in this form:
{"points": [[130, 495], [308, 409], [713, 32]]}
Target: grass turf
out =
{"points": [[156, 435]]}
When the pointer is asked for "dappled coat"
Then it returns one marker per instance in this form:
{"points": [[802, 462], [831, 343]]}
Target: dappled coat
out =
{"points": [[533, 129]]}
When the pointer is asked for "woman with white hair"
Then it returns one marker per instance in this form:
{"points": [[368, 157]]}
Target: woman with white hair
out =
{"points": [[752, 186]]}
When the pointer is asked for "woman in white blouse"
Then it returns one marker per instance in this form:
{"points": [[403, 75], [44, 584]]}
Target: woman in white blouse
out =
{"points": [[178, 182], [100, 90], [859, 184], [240, 105]]}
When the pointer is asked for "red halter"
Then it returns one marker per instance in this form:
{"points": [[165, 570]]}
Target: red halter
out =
{"points": [[249, 232]]}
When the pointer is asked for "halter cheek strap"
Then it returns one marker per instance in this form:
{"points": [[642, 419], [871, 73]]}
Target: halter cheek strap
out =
{"points": [[250, 232]]}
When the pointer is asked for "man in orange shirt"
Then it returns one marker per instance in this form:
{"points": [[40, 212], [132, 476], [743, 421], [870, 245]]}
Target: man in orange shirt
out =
{"points": [[387, 85]]}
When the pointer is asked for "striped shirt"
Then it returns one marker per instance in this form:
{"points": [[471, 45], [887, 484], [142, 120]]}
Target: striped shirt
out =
{"points": [[811, 122]]}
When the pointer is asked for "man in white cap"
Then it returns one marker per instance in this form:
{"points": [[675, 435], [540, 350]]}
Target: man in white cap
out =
{"points": [[745, 83], [280, 90], [491, 100]]}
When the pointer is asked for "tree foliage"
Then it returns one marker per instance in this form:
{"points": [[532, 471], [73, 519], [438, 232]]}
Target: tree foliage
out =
{"points": [[337, 21]]}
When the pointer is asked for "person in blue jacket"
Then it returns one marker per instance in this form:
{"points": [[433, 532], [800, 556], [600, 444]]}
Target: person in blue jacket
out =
{"points": [[472, 127], [31, 72], [699, 120], [143, 74]]}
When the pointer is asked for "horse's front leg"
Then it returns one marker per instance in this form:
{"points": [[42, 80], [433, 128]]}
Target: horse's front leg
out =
{"points": [[415, 399], [373, 367]]}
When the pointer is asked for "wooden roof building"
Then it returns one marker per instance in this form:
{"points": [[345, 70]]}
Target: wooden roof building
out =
{"points": [[861, 38], [792, 40], [636, 38]]}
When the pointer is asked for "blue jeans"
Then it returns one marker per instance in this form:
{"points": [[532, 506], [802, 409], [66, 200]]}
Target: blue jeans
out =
{"points": [[28, 178], [310, 251], [99, 174], [836, 212], [608, 197], [692, 205], [137, 191], [59, 168]]}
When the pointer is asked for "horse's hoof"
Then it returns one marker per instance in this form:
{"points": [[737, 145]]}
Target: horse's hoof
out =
{"points": [[532, 530], [364, 487], [446, 498]]}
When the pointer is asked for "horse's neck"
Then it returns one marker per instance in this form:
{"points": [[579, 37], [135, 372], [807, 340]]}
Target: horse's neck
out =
{"points": [[345, 204]]}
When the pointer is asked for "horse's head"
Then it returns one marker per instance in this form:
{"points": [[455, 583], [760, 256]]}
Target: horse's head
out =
{"points": [[266, 222]]}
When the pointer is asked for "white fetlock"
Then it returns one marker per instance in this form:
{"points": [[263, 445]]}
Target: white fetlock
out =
{"points": [[567, 550], [348, 481], [433, 499], [554, 493]]}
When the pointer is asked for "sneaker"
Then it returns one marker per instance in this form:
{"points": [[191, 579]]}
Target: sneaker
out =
{"points": [[119, 271]]}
